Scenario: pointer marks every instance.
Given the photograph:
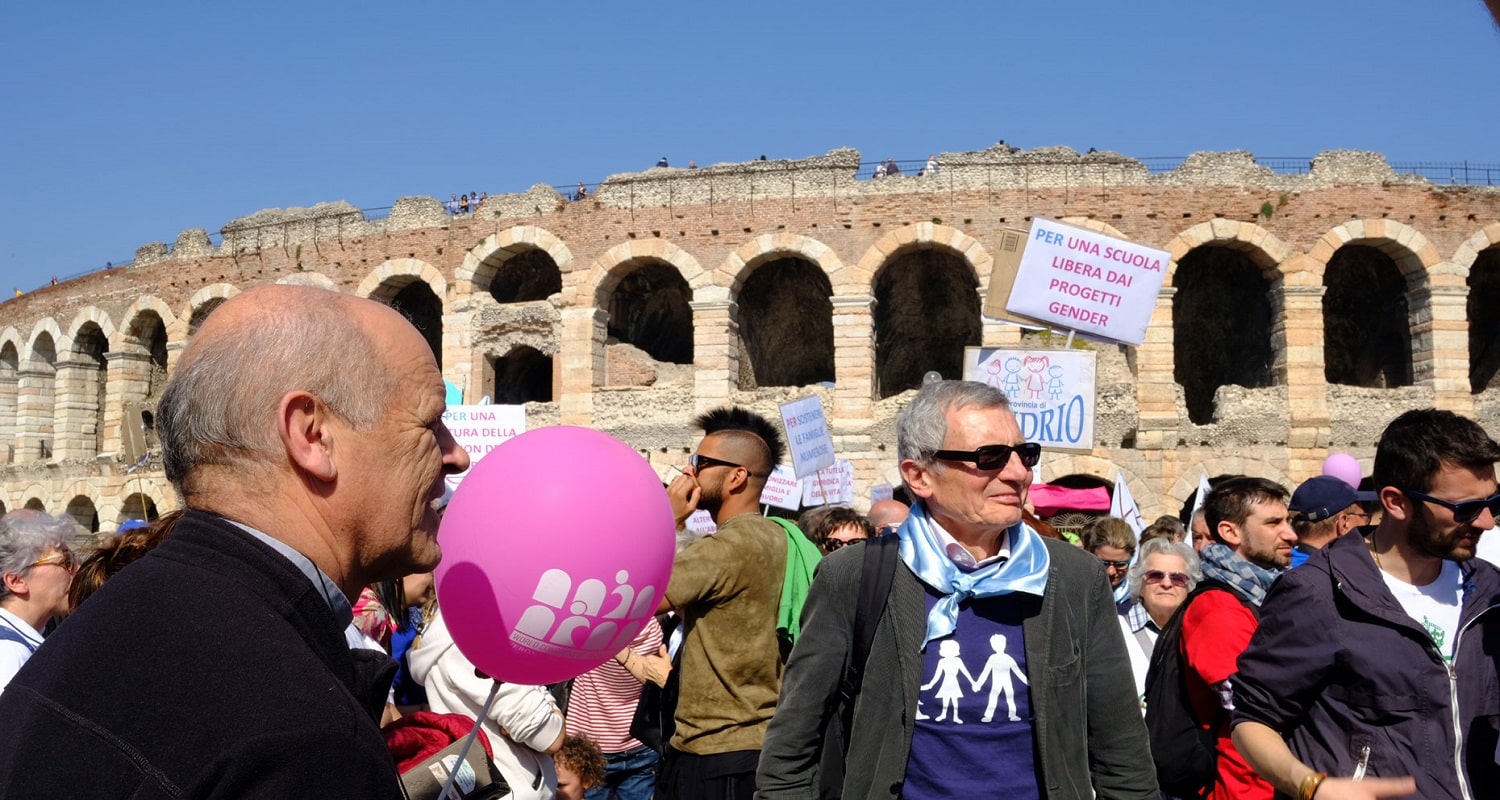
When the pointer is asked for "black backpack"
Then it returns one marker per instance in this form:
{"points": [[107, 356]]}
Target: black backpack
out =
{"points": [[876, 574], [1185, 753]]}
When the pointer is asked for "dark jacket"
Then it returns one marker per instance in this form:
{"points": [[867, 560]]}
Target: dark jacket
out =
{"points": [[1089, 733], [1337, 665], [209, 668]]}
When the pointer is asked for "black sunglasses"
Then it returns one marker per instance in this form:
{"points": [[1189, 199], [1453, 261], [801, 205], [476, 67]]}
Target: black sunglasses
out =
{"points": [[995, 456], [1463, 512], [698, 461], [833, 544]]}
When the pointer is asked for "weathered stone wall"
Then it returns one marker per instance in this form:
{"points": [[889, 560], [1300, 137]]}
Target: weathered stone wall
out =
{"points": [[715, 226]]}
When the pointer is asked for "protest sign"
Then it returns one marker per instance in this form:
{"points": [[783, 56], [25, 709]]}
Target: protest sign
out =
{"points": [[701, 522], [833, 484], [882, 491], [1077, 279], [807, 435], [480, 429], [1122, 505], [783, 490], [1051, 392]]}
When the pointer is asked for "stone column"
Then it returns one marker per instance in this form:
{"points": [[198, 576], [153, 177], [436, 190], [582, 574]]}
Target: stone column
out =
{"points": [[76, 424], [581, 363], [1440, 344], [8, 415], [458, 353], [1297, 338], [716, 347], [853, 362], [35, 402], [174, 352], [128, 379], [1156, 384]]}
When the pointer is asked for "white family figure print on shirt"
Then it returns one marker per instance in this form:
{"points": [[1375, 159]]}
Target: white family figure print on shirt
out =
{"points": [[998, 670], [949, 667]]}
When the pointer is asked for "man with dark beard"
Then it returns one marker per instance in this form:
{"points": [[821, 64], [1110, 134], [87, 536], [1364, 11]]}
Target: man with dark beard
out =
{"points": [[1376, 658], [727, 588]]}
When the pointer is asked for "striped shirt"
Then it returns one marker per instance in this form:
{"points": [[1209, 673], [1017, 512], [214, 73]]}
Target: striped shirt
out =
{"points": [[603, 700]]}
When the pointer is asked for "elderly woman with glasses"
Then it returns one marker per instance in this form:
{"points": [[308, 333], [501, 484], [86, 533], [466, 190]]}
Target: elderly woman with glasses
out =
{"points": [[36, 568], [1159, 581]]}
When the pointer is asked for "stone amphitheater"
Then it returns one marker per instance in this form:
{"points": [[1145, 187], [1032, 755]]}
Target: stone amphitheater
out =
{"points": [[1299, 314]]}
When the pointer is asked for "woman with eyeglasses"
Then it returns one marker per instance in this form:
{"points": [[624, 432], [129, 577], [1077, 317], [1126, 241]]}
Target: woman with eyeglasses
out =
{"points": [[36, 568], [838, 527], [1159, 581]]}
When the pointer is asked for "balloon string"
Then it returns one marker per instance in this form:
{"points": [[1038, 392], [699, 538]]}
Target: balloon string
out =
{"points": [[463, 752]]}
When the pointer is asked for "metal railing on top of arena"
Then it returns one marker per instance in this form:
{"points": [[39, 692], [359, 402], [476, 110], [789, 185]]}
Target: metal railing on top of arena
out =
{"points": [[1451, 173]]}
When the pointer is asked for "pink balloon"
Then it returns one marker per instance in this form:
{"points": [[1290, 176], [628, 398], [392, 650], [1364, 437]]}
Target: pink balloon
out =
{"points": [[557, 547], [1344, 467]]}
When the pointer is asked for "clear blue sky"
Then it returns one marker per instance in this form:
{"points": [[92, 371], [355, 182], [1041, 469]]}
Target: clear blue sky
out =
{"points": [[125, 123]]}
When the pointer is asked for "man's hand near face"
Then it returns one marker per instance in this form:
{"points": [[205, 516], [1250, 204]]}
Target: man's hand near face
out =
{"points": [[684, 493]]}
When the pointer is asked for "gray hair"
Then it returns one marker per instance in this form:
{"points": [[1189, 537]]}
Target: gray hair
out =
{"points": [[1166, 547], [25, 534], [924, 422], [220, 405]]}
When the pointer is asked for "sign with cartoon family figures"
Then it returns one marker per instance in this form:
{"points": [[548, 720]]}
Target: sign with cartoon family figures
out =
{"points": [[1077, 279], [1051, 392]]}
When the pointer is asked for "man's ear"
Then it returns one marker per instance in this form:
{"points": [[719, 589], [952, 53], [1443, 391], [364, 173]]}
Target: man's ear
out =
{"points": [[1229, 533], [918, 477], [1395, 502], [302, 422]]}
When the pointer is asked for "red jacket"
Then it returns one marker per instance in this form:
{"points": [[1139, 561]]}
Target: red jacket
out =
{"points": [[1216, 628]]}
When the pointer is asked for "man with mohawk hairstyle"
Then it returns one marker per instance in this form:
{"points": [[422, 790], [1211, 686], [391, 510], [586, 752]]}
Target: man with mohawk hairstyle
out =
{"points": [[727, 589]]}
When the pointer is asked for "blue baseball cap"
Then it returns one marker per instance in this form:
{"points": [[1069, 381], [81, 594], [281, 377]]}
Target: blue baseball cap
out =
{"points": [[1321, 497]]}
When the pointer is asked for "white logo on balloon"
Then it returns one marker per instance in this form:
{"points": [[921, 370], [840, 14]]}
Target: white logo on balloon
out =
{"points": [[556, 623]]}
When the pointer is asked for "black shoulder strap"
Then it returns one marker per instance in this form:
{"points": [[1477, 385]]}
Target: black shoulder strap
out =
{"points": [[1208, 584], [874, 587]]}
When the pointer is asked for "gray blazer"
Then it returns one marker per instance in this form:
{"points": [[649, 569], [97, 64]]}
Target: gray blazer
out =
{"points": [[1089, 733]]}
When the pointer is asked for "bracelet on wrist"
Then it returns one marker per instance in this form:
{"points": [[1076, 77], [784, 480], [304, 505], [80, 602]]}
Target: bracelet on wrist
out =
{"points": [[1310, 784]]}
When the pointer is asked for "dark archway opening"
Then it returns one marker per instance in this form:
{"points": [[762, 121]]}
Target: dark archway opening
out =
{"points": [[36, 504], [90, 345], [138, 506], [1221, 326], [531, 275], [1484, 323], [522, 376], [1366, 328], [149, 333], [926, 313], [417, 303], [201, 313], [786, 323], [650, 309], [82, 510]]}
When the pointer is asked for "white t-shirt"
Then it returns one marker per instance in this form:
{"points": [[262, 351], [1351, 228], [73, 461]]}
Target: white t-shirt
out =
{"points": [[1435, 606], [13, 653]]}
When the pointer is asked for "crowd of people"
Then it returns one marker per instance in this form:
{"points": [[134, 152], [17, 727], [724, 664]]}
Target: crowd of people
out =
{"points": [[280, 636]]}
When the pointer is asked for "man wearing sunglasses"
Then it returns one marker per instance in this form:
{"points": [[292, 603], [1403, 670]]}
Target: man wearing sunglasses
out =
{"points": [[979, 606], [36, 569], [727, 588], [1376, 658]]}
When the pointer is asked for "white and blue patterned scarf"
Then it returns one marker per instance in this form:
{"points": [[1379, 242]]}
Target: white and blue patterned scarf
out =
{"points": [[922, 551], [1223, 564]]}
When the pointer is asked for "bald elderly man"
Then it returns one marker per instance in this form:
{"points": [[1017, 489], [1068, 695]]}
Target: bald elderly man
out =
{"points": [[887, 515], [303, 429]]}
